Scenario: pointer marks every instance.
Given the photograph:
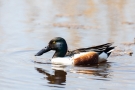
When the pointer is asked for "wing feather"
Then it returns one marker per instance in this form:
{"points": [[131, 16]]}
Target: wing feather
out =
{"points": [[99, 49]]}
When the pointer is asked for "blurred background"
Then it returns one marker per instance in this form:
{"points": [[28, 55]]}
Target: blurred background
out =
{"points": [[81, 23], [26, 26]]}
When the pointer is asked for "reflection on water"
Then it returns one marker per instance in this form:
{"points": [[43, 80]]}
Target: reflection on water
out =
{"points": [[101, 70], [59, 76]]}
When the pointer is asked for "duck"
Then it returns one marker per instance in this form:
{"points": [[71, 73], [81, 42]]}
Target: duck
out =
{"points": [[82, 56]]}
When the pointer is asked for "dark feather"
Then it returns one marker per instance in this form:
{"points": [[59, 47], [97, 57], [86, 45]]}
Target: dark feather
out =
{"points": [[99, 49]]}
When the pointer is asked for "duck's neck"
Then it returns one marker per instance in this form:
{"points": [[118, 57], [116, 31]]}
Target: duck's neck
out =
{"points": [[61, 50], [59, 53]]}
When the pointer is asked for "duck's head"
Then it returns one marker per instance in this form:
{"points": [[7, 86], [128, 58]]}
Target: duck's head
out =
{"points": [[57, 44]]}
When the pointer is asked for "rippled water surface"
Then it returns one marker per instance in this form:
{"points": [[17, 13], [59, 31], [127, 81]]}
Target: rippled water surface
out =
{"points": [[26, 26]]}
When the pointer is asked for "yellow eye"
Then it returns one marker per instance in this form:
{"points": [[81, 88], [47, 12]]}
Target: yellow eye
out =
{"points": [[54, 42]]}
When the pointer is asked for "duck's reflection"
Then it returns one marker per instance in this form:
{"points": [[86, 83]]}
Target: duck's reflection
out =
{"points": [[101, 70], [59, 76]]}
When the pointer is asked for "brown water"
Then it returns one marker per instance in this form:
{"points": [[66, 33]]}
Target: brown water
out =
{"points": [[26, 26]]}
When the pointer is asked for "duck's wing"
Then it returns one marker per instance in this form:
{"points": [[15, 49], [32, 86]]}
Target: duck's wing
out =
{"points": [[99, 49]]}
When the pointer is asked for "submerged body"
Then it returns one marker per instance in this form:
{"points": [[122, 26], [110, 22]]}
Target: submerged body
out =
{"points": [[82, 56]]}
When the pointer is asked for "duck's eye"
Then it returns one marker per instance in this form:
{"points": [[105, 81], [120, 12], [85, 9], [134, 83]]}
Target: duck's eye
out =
{"points": [[54, 42]]}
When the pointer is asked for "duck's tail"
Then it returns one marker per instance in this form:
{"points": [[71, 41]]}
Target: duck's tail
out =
{"points": [[109, 50], [105, 54]]}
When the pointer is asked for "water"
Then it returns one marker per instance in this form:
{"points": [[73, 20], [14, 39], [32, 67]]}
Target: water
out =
{"points": [[26, 26]]}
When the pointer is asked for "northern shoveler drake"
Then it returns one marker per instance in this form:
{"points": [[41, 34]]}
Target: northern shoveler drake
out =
{"points": [[82, 56]]}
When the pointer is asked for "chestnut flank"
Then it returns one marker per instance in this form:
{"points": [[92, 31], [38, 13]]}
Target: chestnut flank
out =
{"points": [[86, 59]]}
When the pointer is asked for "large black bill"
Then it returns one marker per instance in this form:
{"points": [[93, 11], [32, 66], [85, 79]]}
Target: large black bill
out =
{"points": [[44, 50]]}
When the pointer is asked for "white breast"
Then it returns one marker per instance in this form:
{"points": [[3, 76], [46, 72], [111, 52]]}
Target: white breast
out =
{"points": [[63, 60]]}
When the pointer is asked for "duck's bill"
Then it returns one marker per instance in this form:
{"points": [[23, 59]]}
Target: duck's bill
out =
{"points": [[44, 50]]}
